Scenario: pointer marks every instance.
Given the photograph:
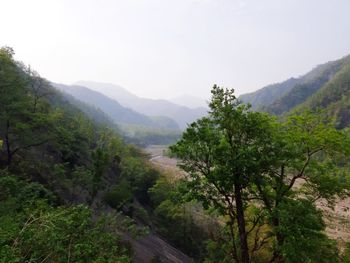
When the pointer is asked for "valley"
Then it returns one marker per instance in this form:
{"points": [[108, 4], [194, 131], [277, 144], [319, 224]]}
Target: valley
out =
{"points": [[168, 166]]}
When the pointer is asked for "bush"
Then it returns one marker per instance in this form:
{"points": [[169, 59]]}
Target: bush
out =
{"points": [[119, 195]]}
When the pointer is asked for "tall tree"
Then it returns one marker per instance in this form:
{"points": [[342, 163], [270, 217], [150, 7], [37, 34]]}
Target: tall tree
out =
{"points": [[307, 163], [236, 159], [221, 154], [17, 118]]}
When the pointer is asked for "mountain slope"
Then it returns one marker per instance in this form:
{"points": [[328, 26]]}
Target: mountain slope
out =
{"points": [[333, 97], [267, 95], [326, 87], [95, 114], [60, 173], [117, 112], [311, 83], [282, 97], [151, 107]]}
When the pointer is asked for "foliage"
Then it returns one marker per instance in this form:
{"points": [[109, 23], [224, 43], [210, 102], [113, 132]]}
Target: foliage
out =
{"points": [[177, 220], [299, 219], [18, 117], [32, 230], [120, 195], [346, 254], [236, 155], [221, 154], [49, 141], [333, 97]]}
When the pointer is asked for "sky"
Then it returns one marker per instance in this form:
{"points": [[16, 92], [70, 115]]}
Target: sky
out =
{"points": [[167, 48]]}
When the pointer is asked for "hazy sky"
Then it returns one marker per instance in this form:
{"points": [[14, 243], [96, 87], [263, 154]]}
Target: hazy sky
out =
{"points": [[165, 48]]}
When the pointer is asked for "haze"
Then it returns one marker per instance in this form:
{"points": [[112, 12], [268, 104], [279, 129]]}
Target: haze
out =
{"points": [[163, 48]]}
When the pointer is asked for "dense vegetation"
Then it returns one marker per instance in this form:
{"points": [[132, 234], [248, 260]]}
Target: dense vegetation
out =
{"points": [[267, 95], [283, 97], [35, 229], [264, 177], [334, 97], [72, 190], [59, 172]]}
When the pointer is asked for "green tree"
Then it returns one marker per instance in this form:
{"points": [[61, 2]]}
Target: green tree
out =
{"points": [[221, 154], [307, 162], [17, 120], [239, 160]]}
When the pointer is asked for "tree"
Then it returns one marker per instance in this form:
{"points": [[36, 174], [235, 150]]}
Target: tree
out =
{"points": [[17, 120], [221, 153], [239, 160], [307, 163], [39, 87]]}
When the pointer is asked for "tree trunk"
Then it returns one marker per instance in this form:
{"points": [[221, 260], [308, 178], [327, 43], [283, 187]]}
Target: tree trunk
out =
{"points": [[233, 236], [277, 257], [241, 224]]}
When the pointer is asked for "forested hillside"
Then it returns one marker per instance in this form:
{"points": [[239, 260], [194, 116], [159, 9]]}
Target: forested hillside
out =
{"points": [[54, 164], [334, 97], [267, 95], [326, 87], [69, 186], [282, 97]]}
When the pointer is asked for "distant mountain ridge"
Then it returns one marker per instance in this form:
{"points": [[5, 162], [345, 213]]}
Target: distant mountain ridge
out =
{"points": [[267, 95], [118, 113], [333, 97], [281, 97], [152, 107], [327, 86]]}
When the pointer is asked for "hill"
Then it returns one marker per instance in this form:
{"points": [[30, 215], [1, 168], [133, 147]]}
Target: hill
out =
{"points": [[118, 113], [333, 97], [267, 95], [70, 187], [135, 127], [282, 97], [151, 107]]}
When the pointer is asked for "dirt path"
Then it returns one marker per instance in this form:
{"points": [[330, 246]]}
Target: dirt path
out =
{"points": [[152, 248], [163, 162]]}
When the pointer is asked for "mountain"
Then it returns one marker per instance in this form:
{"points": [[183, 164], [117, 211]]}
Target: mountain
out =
{"points": [[151, 107], [267, 95], [189, 101], [281, 97], [333, 97], [117, 112], [327, 87], [95, 114]]}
